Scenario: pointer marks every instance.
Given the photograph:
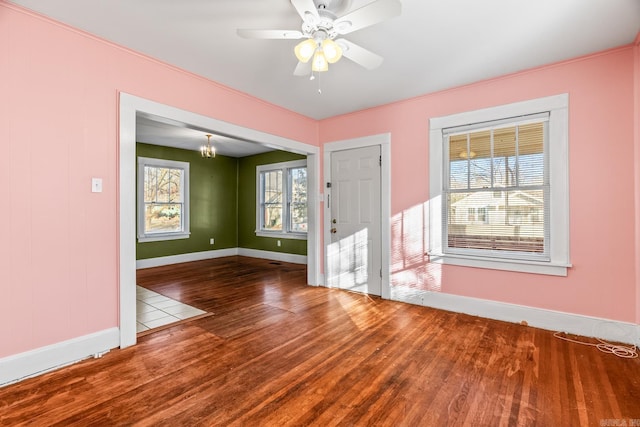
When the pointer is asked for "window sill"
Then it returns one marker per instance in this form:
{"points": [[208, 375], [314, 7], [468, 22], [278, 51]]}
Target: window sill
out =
{"points": [[522, 266], [161, 237], [281, 235]]}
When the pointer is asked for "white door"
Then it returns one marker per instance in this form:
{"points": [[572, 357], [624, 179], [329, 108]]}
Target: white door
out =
{"points": [[354, 252]]}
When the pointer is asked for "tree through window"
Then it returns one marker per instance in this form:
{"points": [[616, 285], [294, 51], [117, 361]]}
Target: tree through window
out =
{"points": [[162, 199]]}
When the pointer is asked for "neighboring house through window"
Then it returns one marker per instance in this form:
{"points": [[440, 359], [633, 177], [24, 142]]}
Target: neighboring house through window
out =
{"points": [[163, 199], [282, 200], [499, 187]]}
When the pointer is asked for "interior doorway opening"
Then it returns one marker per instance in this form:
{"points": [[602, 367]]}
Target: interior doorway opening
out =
{"points": [[132, 106]]}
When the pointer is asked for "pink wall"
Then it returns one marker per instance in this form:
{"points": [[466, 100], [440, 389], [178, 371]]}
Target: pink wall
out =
{"points": [[602, 282], [58, 128]]}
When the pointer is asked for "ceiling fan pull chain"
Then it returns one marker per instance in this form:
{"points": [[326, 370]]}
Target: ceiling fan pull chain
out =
{"points": [[313, 77]]}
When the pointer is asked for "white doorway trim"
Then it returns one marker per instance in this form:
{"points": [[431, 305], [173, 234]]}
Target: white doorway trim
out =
{"points": [[384, 141], [130, 106]]}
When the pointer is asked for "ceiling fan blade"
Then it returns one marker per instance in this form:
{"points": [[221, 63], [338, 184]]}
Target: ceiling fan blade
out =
{"points": [[359, 55], [302, 69], [269, 34], [307, 10], [367, 15]]}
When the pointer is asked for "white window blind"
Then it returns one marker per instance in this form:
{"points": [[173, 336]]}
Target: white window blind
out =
{"points": [[496, 188]]}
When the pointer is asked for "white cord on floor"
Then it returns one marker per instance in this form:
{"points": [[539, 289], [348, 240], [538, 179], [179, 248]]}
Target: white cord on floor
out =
{"points": [[605, 347]]}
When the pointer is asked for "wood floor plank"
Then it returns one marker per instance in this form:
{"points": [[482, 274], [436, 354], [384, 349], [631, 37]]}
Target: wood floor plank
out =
{"points": [[276, 352]]}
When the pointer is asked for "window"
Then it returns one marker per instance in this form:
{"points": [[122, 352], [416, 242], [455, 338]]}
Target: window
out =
{"points": [[503, 166], [163, 199], [499, 187], [282, 199]]}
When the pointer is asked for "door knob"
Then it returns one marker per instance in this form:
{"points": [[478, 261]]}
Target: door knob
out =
{"points": [[333, 230]]}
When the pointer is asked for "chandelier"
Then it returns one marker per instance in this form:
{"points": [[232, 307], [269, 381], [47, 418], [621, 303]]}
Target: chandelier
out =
{"points": [[207, 151]]}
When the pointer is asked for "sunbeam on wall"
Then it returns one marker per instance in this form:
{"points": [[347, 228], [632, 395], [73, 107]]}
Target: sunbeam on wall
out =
{"points": [[411, 271]]}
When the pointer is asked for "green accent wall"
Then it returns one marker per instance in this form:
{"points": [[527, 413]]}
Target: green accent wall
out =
{"points": [[213, 203], [222, 204], [247, 205]]}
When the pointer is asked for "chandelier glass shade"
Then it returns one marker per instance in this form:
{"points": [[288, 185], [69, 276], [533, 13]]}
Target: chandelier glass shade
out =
{"points": [[208, 151]]}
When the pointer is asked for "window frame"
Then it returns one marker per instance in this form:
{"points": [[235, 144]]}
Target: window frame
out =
{"points": [[172, 235], [285, 168], [556, 151]]}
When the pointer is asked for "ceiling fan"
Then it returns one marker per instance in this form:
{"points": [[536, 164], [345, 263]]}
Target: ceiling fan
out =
{"points": [[321, 27]]}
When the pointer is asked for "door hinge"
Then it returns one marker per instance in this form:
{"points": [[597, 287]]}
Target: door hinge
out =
{"points": [[380, 161], [381, 273]]}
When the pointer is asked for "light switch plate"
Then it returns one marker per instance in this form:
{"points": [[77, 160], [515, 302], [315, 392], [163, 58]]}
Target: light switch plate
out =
{"points": [[96, 185]]}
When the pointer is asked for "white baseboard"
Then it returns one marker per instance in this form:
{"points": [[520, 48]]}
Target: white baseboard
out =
{"points": [[198, 256], [177, 259], [276, 256], [35, 362], [610, 330]]}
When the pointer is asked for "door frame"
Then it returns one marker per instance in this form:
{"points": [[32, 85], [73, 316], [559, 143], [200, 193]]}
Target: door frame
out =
{"points": [[129, 107], [384, 141]]}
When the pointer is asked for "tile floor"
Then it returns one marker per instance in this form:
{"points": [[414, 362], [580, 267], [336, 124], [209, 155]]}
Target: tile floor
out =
{"points": [[154, 310]]}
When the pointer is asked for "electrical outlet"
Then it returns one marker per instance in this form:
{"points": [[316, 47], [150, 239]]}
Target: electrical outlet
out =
{"points": [[279, 243], [211, 241]]}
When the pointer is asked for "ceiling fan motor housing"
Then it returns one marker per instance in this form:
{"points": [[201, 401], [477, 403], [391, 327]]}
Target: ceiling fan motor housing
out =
{"points": [[334, 7], [322, 26]]}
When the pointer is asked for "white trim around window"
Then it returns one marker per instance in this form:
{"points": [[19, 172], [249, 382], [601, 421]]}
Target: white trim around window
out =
{"points": [[183, 233], [287, 185], [558, 168]]}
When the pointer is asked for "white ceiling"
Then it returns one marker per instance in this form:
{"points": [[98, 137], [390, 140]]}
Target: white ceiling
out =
{"points": [[161, 131], [433, 45]]}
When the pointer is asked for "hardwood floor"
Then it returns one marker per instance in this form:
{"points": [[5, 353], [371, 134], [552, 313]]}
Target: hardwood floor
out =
{"points": [[277, 352]]}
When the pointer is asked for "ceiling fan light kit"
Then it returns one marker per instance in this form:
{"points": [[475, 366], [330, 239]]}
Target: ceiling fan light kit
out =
{"points": [[320, 62], [320, 27], [332, 51], [305, 49]]}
